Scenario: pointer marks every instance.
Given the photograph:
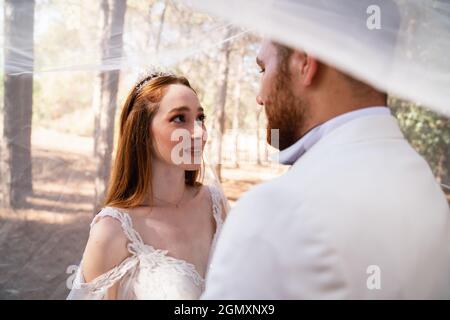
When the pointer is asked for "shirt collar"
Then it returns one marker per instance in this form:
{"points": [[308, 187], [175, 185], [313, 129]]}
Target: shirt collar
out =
{"points": [[291, 154]]}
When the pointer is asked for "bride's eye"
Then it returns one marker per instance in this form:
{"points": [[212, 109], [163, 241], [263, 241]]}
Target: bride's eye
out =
{"points": [[262, 70], [178, 119]]}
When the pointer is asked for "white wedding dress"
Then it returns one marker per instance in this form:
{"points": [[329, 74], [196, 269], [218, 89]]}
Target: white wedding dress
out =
{"points": [[148, 273]]}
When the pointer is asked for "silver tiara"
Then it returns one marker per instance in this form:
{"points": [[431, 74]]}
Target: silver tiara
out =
{"points": [[149, 74]]}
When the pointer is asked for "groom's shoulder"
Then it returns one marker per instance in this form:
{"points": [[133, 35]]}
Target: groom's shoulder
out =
{"points": [[265, 196]]}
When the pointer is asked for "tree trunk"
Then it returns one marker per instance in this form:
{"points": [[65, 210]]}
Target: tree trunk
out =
{"points": [[222, 98], [15, 146], [105, 95], [149, 32], [237, 107], [161, 26]]}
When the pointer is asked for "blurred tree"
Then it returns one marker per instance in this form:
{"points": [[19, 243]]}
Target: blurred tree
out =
{"points": [[428, 133], [222, 97], [105, 93], [15, 148], [161, 26], [65, 37], [237, 104], [149, 25]]}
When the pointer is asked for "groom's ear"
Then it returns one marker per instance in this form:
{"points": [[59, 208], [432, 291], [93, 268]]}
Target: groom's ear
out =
{"points": [[305, 66]]}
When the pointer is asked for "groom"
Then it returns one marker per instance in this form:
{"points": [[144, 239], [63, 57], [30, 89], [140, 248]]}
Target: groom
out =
{"points": [[358, 216]]}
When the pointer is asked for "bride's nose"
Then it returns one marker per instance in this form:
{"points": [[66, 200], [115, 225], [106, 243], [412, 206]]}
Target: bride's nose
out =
{"points": [[197, 131]]}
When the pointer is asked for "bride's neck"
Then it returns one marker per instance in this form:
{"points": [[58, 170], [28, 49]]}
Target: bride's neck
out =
{"points": [[168, 183]]}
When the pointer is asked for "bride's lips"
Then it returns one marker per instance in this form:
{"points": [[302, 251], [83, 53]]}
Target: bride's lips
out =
{"points": [[193, 150]]}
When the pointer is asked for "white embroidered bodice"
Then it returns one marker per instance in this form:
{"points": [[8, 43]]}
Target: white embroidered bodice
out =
{"points": [[148, 273]]}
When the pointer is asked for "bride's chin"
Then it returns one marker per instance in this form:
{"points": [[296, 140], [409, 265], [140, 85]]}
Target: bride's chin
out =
{"points": [[190, 167]]}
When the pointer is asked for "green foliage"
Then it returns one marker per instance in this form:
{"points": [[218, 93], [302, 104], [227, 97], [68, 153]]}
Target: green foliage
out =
{"points": [[428, 132]]}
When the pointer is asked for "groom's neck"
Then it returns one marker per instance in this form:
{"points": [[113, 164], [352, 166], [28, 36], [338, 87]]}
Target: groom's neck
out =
{"points": [[338, 96]]}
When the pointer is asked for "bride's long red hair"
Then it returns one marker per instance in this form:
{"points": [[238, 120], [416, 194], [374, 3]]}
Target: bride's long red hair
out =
{"points": [[131, 173]]}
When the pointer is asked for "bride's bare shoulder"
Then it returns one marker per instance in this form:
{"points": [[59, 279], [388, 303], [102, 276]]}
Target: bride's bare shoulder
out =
{"points": [[200, 195], [199, 192], [106, 247], [210, 194], [107, 229]]}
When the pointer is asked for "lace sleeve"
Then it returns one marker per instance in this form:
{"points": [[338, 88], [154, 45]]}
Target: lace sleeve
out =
{"points": [[219, 205], [219, 209], [97, 288]]}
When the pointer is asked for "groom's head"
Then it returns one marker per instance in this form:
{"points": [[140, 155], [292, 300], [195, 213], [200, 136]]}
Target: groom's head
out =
{"points": [[300, 92]]}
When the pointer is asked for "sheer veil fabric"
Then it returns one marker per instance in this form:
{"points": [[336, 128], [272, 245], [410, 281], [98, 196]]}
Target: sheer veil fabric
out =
{"points": [[398, 46]]}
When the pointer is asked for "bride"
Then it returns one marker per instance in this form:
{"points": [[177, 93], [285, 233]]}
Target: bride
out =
{"points": [[153, 238]]}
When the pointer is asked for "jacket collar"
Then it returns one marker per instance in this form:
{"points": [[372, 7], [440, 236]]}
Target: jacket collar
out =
{"points": [[290, 155]]}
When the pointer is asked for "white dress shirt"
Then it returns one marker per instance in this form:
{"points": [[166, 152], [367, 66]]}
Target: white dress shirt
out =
{"points": [[291, 154]]}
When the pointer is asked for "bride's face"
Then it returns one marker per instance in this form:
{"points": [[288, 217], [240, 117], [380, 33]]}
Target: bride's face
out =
{"points": [[178, 128]]}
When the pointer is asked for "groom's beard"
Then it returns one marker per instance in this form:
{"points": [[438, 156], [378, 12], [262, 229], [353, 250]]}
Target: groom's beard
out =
{"points": [[284, 111]]}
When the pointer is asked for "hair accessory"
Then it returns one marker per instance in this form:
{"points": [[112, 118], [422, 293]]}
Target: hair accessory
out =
{"points": [[149, 74]]}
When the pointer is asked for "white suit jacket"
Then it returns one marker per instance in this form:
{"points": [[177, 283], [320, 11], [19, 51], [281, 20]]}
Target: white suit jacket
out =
{"points": [[359, 216]]}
